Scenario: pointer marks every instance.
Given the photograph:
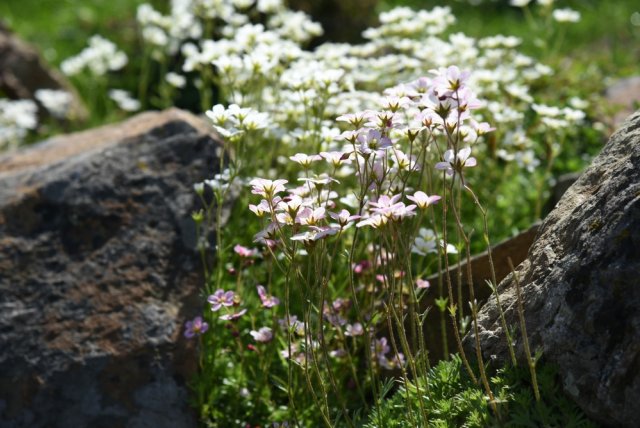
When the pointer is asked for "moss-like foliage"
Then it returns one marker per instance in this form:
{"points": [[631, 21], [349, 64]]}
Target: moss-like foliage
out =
{"points": [[453, 400]]}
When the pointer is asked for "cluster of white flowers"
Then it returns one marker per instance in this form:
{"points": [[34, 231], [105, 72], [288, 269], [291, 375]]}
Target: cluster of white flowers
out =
{"points": [[235, 121], [263, 66], [17, 118], [566, 15], [99, 57], [124, 100], [380, 148], [560, 15], [56, 101]]}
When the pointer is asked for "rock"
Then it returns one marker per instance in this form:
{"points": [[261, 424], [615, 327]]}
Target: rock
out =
{"points": [[624, 96], [561, 185], [99, 271], [580, 286], [23, 72]]}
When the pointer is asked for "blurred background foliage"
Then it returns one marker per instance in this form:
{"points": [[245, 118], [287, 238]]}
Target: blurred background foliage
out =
{"points": [[605, 36], [605, 44]]}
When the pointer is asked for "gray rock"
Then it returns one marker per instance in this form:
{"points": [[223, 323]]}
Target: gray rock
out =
{"points": [[581, 288], [23, 72], [96, 279]]}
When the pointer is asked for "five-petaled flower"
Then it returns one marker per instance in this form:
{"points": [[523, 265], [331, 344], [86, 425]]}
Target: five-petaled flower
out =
{"points": [[422, 200], [267, 188], [233, 316], [263, 334], [354, 330], [196, 327], [422, 283], [244, 251], [456, 161], [267, 300], [221, 298]]}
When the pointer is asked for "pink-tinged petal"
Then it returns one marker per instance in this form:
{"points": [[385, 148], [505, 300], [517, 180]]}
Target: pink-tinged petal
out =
{"points": [[470, 162], [423, 284], [443, 165]]}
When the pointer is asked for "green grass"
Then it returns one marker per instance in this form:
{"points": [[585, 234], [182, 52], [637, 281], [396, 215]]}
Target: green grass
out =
{"points": [[453, 400], [605, 35], [61, 28]]}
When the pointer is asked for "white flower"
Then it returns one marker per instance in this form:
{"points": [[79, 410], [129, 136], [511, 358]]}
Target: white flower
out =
{"points": [[176, 80], [455, 162], [422, 200], [425, 243], [99, 57], [304, 159], [269, 6], [124, 100], [566, 15], [262, 335], [56, 101], [17, 118]]}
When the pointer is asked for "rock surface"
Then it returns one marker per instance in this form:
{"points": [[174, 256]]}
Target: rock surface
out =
{"points": [[581, 288], [23, 72], [98, 274]]}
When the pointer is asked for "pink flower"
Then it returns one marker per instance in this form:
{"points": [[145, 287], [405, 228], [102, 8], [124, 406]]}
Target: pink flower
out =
{"points": [[457, 161], [344, 217], [267, 235], [221, 298], [268, 301], [294, 325], [380, 347], [376, 221], [233, 316], [335, 158], [356, 119], [304, 159], [361, 266], [354, 330], [449, 80], [421, 85], [392, 363], [267, 188], [422, 200], [383, 119], [261, 209], [422, 283], [389, 207], [321, 232], [481, 128], [195, 327], [373, 142], [341, 304], [337, 353], [310, 216], [262, 335], [244, 251]]}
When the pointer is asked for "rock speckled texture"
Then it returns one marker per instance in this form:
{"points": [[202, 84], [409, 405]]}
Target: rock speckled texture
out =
{"points": [[23, 72], [98, 273], [581, 286]]}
